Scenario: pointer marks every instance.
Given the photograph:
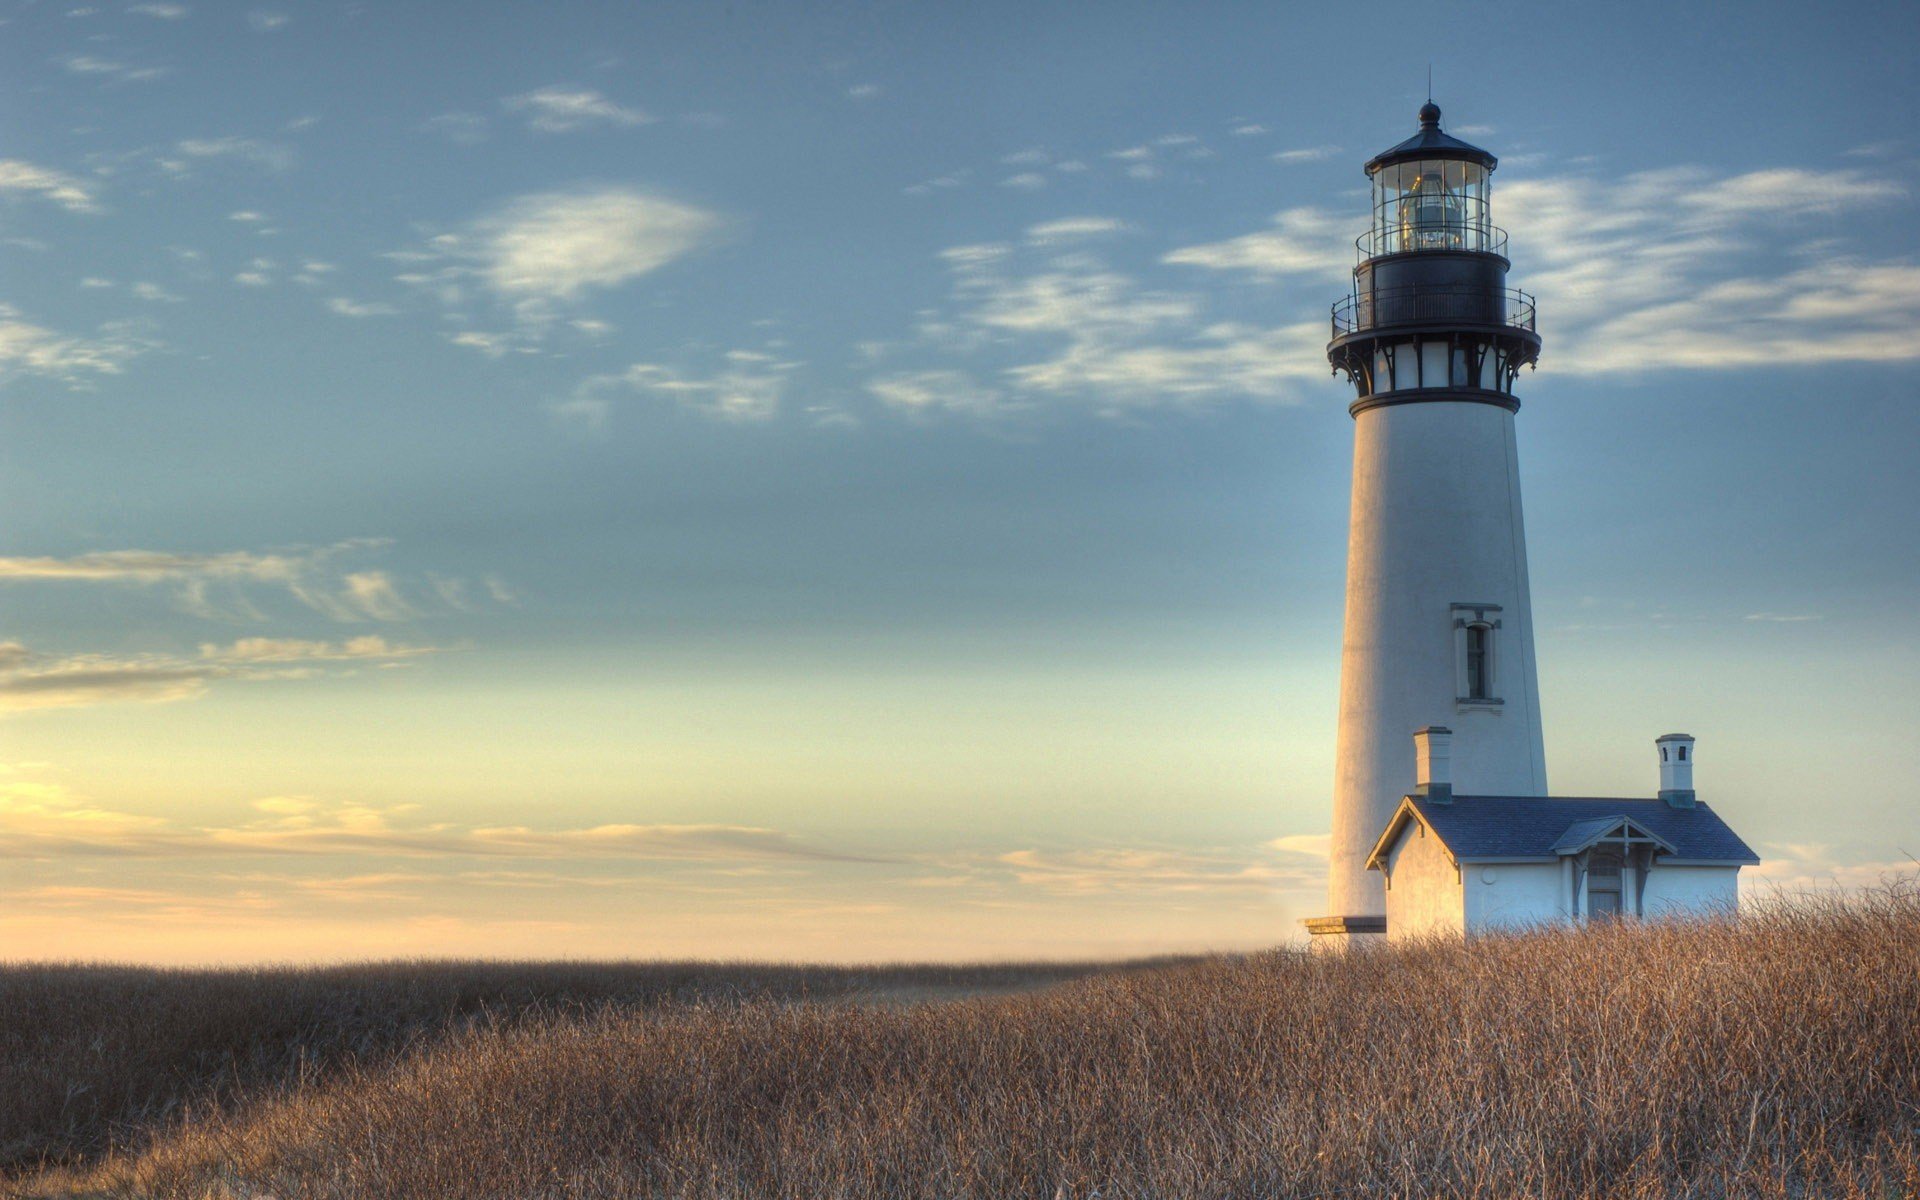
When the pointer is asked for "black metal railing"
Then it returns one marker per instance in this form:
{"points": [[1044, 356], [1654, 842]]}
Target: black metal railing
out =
{"points": [[1384, 308], [1404, 239]]}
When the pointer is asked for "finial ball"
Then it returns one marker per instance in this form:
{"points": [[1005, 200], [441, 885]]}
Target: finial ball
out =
{"points": [[1430, 115]]}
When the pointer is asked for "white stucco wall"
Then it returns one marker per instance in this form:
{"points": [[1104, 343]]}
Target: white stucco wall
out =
{"points": [[1511, 895], [1425, 896], [1435, 521], [1682, 891]]}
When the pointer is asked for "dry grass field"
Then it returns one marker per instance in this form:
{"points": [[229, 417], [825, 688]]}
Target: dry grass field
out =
{"points": [[1775, 1057]]}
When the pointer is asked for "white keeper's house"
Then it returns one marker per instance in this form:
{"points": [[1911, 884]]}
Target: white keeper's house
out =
{"points": [[1442, 822]]}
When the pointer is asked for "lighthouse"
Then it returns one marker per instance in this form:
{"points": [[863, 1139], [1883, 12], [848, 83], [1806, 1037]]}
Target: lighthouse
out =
{"points": [[1441, 819], [1439, 625]]}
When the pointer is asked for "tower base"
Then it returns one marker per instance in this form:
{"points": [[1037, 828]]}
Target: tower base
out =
{"points": [[1335, 935]]}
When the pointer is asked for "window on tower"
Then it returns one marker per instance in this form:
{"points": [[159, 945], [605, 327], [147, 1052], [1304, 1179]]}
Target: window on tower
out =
{"points": [[1477, 660], [1477, 681]]}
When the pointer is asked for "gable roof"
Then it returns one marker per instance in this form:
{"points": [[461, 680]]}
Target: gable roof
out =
{"points": [[1481, 828], [1582, 834]]}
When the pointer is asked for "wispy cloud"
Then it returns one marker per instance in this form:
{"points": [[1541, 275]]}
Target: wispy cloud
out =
{"points": [[68, 191], [110, 69], [161, 12], [747, 386], [27, 349], [342, 306], [265, 20], [1678, 268], [232, 584], [543, 253], [1303, 154], [46, 821], [1304, 241], [562, 109], [30, 680], [1067, 229], [1083, 332], [1171, 870], [270, 155], [926, 392]]}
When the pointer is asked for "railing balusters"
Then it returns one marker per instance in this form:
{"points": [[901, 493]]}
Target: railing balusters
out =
{"points": [[1387, 307]]}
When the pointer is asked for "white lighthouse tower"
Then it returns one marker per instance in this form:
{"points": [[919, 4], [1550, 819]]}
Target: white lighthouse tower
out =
{"points": [[1439, 624]]}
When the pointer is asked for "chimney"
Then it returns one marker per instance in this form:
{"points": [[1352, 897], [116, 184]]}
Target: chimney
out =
{"points": [[1676, 768], [1433, 763]]}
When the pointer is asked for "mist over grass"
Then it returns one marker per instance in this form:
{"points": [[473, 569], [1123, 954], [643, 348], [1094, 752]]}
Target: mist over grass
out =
{"points": [[1778, 1055]]}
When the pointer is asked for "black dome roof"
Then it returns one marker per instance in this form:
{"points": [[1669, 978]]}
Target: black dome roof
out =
{"points": [[1431, 143]]}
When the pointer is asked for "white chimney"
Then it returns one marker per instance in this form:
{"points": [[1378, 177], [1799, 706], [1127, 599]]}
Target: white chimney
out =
{"points": [[1676, 768], [1433, 763]]}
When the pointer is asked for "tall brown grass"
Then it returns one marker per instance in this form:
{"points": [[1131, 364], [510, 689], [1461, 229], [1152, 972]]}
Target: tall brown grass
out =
{"points": [[1777, 1057], [98, 1059]]}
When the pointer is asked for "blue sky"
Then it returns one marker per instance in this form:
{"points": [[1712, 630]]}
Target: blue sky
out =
{"points": [[834, 482]]}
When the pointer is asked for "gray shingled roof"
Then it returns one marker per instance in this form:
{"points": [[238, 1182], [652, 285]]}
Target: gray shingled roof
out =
{"points": [[1479, 827]]}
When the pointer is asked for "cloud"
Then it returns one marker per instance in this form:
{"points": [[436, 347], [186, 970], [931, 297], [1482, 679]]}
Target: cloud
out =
{"points": [[561, 109], [281, 650], [270, 155], [358, 309], [41, 821], [111, 69], [864, 91], [30, 680], [747, 387], [1078, 330], [228, 585], [27, 349], [544, 253], [1306, 154], [558, 245], [925, 392], [1689, 268], [1312, 845], [1067, 229], [161, 12], [493, 345], [1181, 870], [262, 20], [1305, 241], [1025, 181], [69, 192], [1680, 268], [1815, 867]]}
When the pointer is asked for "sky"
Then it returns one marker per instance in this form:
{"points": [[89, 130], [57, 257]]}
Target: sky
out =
{"points": [[863, 481]]}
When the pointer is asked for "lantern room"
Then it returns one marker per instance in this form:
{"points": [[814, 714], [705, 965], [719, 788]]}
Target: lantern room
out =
{"points": [[1430, 193]]}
